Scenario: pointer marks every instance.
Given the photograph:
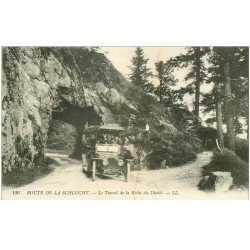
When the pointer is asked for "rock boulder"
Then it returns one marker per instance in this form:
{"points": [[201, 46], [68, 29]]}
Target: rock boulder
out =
{"points": [[216, 181]]}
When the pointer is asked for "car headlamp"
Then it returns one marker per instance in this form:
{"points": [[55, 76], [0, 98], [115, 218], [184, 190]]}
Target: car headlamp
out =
{"points": [[105, 162], [120, 162]]}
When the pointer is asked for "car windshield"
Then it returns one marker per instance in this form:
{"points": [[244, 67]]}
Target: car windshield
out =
{"points": [[108, 138], [107, 148], [105, 135]]}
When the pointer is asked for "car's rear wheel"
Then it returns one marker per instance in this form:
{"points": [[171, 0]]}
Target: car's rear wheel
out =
{"points": [[93, 170]]}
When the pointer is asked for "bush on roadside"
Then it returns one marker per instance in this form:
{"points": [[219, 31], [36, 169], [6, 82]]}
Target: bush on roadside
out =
{"points": [[228, 161], [19, 177], [174, 152], [165, 145], [242, 148]]}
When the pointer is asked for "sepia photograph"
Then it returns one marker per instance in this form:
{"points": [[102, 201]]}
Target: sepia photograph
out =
{"points": [[125, 123]]}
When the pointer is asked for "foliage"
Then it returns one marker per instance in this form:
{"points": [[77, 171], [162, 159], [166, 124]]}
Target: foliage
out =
{"points": [[20, 177], [61, 136], [188, 60], [194, 61], [228, 161], [239, 83], [168, 147], [141, 74], [208, 136], [167, 96], [241, 148], [162, 143]]}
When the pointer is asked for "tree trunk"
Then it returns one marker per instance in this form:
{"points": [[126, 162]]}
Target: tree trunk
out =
{"points": [[228, 103], [236, 124], [219, 123], [247, 127], [197, 83]]}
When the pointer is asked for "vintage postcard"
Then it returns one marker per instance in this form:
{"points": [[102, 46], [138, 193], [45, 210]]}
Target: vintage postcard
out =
{"points": [[125, 123]]}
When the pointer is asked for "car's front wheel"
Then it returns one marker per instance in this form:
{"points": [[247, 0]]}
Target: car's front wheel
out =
{"points": [[127, 171], [93, 170]]}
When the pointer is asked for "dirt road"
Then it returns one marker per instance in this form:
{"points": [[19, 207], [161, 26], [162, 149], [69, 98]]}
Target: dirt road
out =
{"points": [[68, 181]]}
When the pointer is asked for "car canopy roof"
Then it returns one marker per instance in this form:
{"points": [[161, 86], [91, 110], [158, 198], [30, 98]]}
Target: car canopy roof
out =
{"points": [[105, 127]]}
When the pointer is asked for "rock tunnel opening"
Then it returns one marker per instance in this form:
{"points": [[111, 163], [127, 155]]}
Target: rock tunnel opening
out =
{"points": [[72, 119], [61, 137]]}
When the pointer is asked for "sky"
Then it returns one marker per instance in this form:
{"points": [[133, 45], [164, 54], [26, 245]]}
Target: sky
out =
{"points": [[121, 56]]}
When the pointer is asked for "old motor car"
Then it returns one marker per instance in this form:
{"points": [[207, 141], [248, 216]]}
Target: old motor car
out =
{"points": [[106, 154]]}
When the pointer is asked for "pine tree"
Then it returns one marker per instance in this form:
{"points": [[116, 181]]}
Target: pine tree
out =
{"points": [[228, 99], [193, 60], [239, 67], [160, 74], [228, 72], [166, 79], [214, 100], [140, 72], [197, 53]]}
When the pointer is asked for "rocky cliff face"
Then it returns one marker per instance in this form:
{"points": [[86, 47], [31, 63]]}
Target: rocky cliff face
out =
{"points": [[75, 85]]}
